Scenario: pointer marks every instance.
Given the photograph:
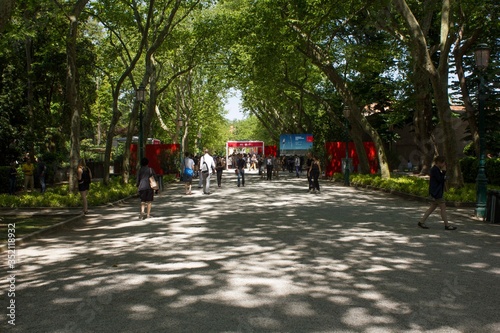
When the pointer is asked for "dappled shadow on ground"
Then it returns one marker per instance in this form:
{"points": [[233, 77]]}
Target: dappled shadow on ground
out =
{"points": [[268, 257]]}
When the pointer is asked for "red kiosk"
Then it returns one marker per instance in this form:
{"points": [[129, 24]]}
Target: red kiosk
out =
{"points": [[251, 147]]}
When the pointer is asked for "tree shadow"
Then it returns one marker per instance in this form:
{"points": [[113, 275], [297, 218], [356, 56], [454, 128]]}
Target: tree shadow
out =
{"points": [[264, 258]]}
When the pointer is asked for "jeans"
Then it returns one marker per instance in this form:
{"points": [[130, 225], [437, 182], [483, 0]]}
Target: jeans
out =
{"points": [[242, 174], [269, 172]]}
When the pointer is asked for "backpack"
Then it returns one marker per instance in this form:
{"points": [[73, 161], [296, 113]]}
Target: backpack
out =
{"points": [[204, 166]]}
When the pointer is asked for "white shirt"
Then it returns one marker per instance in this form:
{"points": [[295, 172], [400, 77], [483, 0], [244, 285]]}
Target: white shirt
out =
{"points": [[209, 160], [189, 163]]}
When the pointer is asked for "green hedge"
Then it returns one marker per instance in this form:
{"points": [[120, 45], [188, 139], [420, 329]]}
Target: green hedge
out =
{"points": [[470, 166], [414, 185], [58, 196]]}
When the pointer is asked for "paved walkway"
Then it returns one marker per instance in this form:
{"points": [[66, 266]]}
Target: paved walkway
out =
{"points": [[267, 257]]}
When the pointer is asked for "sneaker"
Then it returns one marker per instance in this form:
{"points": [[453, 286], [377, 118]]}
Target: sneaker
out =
{"points": [[450, 227]]}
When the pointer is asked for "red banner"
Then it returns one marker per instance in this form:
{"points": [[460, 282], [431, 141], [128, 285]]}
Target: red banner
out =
{"points": [[163, 158], [335, 152], [232, 144]]}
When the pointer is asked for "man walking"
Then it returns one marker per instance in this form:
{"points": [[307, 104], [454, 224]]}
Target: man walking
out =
{"points": [[207, 166], [297, 165], [269, 166], [240, 165]]}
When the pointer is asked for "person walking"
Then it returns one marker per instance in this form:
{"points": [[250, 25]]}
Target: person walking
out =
{"points": [[315, 171], [41, 171], [219, 167], [188, 173], [12, 178], [207, 166], [308, 166], [240, 167], [28, 170], [269, 166], [276, 168], [146, 193], [436, 191], [297, 165], [84, 179]]}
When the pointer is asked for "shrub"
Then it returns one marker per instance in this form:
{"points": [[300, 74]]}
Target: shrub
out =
{"points": [[417, 186], [470, 166], [58, 196]]}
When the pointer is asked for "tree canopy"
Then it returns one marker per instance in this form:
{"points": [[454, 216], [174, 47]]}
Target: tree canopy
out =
{"points": [[70, 70]]}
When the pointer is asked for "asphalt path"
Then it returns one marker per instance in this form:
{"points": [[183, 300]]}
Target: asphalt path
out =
{"points": [[267, 257]]}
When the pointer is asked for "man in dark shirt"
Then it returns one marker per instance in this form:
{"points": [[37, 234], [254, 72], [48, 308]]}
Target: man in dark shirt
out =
{"points": [[436, 191], [41, 170], [240, 164]]}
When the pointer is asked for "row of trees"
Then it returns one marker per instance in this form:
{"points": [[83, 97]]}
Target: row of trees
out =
{"points": [[70, 70]]}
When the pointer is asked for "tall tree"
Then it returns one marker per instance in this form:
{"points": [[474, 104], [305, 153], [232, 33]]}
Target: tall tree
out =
{"points": [[436, 70]]}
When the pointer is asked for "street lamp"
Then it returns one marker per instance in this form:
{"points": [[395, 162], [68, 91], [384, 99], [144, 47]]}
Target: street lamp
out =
{"points": [[347, 170], [140, 95], [180, 123], [482, 55]]}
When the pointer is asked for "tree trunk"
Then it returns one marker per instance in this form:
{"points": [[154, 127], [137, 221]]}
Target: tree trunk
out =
{"points": [[72, 95], [438, 78], [422, 121]]}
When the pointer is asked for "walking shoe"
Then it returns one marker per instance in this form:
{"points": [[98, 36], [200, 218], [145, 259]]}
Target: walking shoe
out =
{"points": [[450, 227], [422, 225]]}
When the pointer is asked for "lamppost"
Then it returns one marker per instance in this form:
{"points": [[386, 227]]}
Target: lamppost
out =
{"points": [[482, 55], [347, 166], [140, 95], [180, 122]]}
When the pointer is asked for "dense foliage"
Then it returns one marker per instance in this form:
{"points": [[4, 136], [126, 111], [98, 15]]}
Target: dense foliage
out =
{"points": [[70, 72]]}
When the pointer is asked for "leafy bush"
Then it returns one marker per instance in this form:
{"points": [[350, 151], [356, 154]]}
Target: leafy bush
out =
{"points": [[99, 194], [416, 186], [470, 166]]}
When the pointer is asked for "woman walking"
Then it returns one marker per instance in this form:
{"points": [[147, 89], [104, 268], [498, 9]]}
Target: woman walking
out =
{"points": [[188, 173], [314, 172], [436, 191], [84, 180], [146, 193]]}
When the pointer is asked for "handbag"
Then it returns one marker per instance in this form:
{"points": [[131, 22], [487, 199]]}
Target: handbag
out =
{"points": [[188, 172], [152, 182]]}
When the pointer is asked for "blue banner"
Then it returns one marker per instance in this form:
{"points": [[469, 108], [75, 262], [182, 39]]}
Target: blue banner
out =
{"points": [[291, 144]]}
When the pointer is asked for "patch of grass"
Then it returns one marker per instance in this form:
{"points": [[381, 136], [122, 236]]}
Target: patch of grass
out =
{"points": [[25, 225]]}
